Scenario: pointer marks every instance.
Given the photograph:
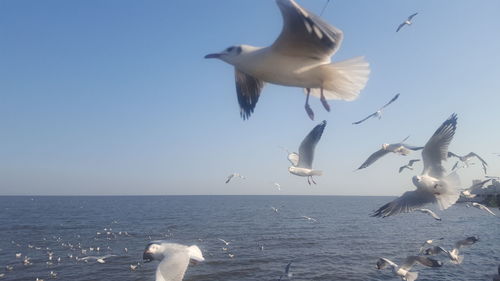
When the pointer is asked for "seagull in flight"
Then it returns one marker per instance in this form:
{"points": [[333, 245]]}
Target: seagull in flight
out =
{"points": [[426, 244], [309, 218], [97, 259], [378, 113], [287, 273], [277, 185], [274, 209], [406, 22], [174, 259], [409, 165], [467, 192], [403, 271], [453, 254], [430, 213], [300, 57], [466, 158], [399, 148], [433, 186], [224, 241], [234, 175], [482, 207], [302, 162]]}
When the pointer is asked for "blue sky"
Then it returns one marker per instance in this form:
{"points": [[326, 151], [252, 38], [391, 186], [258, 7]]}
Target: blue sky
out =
{"points": [[114, 97]]}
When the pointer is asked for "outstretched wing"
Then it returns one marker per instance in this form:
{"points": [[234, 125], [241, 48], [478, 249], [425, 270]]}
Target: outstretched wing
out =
{"points": [[400, 26], [306, 149], [248, 89], [411, 17], [411, 260], [304, 34], [413, 161], [293, 158], [373, 158], [406, 203], [436, 149], [472, 154], [364, 119], [173, 267], [391, 101]]}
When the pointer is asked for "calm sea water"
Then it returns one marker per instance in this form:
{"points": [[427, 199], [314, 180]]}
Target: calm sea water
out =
{"points": [[343, 244]]}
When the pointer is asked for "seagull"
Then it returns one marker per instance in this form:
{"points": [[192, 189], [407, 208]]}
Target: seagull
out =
{"points": [[377, 113], [230, 255], [274, 209], [430, 213], [453, 254], [52, 274], [467, 192], [134, 267], [465, 159], [97, 259], [174, 259], [309, 218], [277, 185], [409, 165], [224, 241], [234, 175], [403, 271], [300, 57], [426, 244], [287, 273], [433, 186], [302, 162], [399, 148], [482, 207], [406, 22]]}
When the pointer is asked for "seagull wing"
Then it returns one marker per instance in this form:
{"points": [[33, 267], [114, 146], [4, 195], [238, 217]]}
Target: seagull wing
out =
{"points": [[391, 101], [306, 149], [293, 158], [451, 154], [248, 89], [402, 168], [366, 118], [411, 17], [411, 260], [436, 149], [406, 203], [465, 242], [287, 268], [411, 162], [400, 26], [484, 208], [374, 157], [411, 147], [472, 154], [173, 266], [430, 213], [304, 34], [229, 177]]}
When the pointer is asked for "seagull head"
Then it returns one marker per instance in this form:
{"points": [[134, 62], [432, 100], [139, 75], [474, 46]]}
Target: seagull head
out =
{"points": [[154, 251], [417, 180], [229, 55]]}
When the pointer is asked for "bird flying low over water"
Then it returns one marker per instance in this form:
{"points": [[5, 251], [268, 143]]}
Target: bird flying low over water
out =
{"points": [[466, 158], [408, 166], [174, 259], [302, 162], [430, 213], [453, 254], [406, 22], [300, 57], [377, 113], [403, 271], [433, 186], [425, 244], [287, 274], [399, 148], [482, 207]]}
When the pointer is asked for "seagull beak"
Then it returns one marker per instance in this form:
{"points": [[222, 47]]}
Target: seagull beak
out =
{"points": [[212, 56], [147, 256]]}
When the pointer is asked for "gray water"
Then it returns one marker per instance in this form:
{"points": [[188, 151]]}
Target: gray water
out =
{"points": [[344, 243]]}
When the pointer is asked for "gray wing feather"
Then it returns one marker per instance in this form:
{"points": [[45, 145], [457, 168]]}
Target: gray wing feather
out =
{"points": [[248, 90], [400, 26], [391, 101], [436, 149], [366, 118], [306, 149], [411, 17], [304, 34], [173, 267], [373, 158], [406, 203]]}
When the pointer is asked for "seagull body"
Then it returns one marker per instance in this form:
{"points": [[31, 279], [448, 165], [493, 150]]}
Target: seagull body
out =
{"points": [[274, 209], [406, 22], [403, 271], [234, 175], [302, 164], [97, 259], [398, 148], [454, 253], [430, 213], [433, 186], [482, 207], [174, 259], [466, 158], [224, 241], [408, 166], [300, 57], [378, 113], [309, 218]]}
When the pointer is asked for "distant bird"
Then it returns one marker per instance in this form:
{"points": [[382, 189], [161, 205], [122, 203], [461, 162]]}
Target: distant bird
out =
{"points": [[224, 241], [9, 267], [466, 158], [403, 271], [433, 186], [303, 165], [52, 274], [309, 218], [134, 267], [234, 175], [482, 207], [399, 148], [97, 259], [287, 273], [274, 209], [454, 253], [426, 244], [18, 255], [277, 185], [409, 165], [174, 259], [406, 22], [2, 275], [300, 57], [430, 213], [230, 255], [378, 113]]}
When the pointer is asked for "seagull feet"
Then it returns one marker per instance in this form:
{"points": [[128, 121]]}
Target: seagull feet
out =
{"points": [[324, 102], [313, 180], [308, 181], [309, 111]]}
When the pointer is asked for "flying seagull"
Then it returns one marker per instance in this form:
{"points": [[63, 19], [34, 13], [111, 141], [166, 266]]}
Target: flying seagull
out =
{"points": [[277, 185], [403, 271], [377, 113], [430, 213], [433, 186], [287, 273], [453, 254], [302, 162], [409, 165], [234, 175], [174, 259], [399, 148], [309, 218], [97, 259], [406, 22], [467, 192], [300, 57], [224, 241], [425, 244], [465, 159], [482, 207]]}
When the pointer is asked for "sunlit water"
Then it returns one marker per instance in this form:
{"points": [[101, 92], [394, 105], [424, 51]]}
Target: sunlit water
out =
{"points": [[343, 244]]}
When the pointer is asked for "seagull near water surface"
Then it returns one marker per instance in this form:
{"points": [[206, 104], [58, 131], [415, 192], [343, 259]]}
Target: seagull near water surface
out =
{"points": [[377, 113], [399, 148], [403, 271], [300, 57]]}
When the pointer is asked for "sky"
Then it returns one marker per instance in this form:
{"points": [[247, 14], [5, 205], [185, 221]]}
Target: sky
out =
{"points": [[113, 97]]}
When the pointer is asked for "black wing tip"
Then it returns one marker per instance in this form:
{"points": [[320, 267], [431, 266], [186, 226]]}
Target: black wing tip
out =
{"points": [[435, 263]]}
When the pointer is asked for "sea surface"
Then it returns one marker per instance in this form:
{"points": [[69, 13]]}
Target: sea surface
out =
{"points": [[344, 243]]}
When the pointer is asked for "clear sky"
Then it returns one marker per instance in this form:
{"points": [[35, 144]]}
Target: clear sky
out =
{"points": [[114, 96]]}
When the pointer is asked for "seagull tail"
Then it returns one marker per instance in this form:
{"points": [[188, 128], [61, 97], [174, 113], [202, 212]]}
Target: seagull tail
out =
{"points": [[451, 194], [411, 276], [195, 253], [316, 173], [343, 80]]}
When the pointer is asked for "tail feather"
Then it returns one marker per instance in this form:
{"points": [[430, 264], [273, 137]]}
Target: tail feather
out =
{"points": [[316, 173], [344, 80], [195, 253], [411, 276]]}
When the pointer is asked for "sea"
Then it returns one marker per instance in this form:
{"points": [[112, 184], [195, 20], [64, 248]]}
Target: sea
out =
{"points": [[343, 243]]}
